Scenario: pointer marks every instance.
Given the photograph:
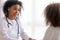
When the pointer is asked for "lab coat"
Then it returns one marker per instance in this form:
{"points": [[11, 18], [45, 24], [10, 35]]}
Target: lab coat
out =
{"points": [[52, 33], [10, 33]]}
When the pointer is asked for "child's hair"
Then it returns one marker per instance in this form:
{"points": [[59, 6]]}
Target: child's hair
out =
{"points": [[52, 14]]}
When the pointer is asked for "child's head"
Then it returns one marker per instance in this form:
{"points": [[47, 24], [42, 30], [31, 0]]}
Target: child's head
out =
{"points": [[52, 14]]}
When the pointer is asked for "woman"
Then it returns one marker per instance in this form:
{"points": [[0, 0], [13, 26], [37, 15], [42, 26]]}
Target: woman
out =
{"points": [[52, 15], [10, 26]]}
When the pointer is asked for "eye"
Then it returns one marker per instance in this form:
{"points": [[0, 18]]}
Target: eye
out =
{"points": [[14, 8]]}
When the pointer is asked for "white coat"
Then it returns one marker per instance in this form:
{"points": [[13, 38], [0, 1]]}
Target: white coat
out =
{"points": [[11, 32]]}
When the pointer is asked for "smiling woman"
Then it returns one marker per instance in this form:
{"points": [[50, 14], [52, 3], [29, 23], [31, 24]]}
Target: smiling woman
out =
{"points": [[13, 11], [10, 26]]}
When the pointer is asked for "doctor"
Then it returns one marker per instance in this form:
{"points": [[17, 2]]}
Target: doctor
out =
{"points": [[10, 26]]}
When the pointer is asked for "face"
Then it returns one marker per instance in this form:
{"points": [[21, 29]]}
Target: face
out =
{"points": [[13, 11]]}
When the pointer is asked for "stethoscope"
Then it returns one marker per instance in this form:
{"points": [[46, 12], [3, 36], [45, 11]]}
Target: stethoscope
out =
{"points": [[11, 24]]}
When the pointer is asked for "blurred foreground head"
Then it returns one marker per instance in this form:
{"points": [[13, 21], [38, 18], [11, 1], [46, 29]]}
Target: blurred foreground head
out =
{"points": [[52, 14]]}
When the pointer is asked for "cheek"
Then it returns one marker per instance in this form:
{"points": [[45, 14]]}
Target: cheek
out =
{"points": [[12, 11]]}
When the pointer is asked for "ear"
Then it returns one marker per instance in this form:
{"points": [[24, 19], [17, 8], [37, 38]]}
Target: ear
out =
{"points": [[8, 9]]}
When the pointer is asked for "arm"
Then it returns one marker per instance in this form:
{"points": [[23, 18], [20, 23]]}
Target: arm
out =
{"points": [[3, 35], [23, 35]]}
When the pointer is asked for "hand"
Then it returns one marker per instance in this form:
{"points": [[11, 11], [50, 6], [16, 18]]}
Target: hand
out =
{"points": [[31, 39]]}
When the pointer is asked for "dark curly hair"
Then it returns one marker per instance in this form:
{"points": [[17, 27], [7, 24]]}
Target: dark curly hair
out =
{"points": [[52, 14], [8, 4]]}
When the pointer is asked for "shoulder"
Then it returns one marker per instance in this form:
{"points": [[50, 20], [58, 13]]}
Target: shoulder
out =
{"points": [[50, 32], [50, 29], [53, 29]]}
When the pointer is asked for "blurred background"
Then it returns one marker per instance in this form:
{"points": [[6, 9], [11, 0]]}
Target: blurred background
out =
{"points": [[32, 17]]}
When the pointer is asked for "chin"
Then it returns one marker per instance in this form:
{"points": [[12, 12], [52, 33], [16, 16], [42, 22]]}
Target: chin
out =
{"points": [[13, 18]]}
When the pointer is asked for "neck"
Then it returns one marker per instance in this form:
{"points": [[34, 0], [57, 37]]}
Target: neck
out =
{"points": [[10, 17]]}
